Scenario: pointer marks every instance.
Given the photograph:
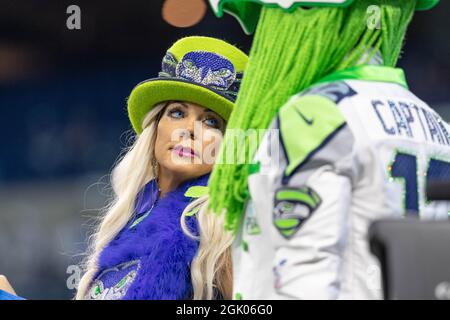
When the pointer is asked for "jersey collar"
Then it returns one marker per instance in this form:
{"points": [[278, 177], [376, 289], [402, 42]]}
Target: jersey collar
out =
{"points": [[368, 73]]}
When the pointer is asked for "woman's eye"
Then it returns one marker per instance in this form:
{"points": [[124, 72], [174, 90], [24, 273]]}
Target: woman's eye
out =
{"points": [[175, 113], [211, 122]]}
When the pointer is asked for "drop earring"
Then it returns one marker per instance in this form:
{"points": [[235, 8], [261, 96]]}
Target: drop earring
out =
{"points": [[154, 168], [155, 174]]}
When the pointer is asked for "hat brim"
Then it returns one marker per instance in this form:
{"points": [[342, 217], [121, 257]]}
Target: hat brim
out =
{"points": [[146, 95]]}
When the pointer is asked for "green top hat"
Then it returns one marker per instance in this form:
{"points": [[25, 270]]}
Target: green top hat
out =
{"points": [[247, 11], [201, 70]]}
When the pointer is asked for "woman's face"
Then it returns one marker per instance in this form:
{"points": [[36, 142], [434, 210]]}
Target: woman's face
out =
{"points": [[188, 139]]}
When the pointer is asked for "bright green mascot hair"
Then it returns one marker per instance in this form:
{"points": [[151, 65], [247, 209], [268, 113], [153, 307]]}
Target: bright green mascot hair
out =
{"points": [[290, 52]]}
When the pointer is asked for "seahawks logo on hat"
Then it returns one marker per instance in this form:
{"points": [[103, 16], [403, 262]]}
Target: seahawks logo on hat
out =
{"points": [[207, 68], [292, 207], [204, 68]]}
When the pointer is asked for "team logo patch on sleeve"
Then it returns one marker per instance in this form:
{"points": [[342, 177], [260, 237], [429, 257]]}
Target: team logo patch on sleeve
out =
{"points": [[292, 207]]}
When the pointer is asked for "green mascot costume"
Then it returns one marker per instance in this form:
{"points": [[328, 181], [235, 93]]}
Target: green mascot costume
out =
{"points": [[348, 143]]}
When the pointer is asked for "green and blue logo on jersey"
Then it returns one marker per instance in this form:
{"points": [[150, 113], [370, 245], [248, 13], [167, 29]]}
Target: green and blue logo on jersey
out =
{"points": [[292, 207]]}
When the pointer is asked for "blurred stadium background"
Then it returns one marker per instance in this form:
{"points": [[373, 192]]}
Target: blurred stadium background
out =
{"points": [[63, 115]]}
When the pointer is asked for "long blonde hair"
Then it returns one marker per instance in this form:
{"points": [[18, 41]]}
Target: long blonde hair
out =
{"points": [[211, 268], [128, 177]]}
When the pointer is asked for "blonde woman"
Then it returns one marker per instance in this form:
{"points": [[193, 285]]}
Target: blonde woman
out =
{"points": [[140, 250]]}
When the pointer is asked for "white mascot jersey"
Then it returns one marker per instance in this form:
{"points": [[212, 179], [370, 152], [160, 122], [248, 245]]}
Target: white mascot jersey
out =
{"points": [[357, 147]]}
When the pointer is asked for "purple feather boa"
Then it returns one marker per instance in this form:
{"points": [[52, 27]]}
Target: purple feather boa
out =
{"points": [[161, 251]]}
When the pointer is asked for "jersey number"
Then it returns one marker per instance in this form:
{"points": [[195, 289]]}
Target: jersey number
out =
{"points": [[405, 167]]}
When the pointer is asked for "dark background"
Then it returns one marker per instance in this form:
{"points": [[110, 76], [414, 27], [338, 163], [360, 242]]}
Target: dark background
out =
{"points": [[63, 117]]}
